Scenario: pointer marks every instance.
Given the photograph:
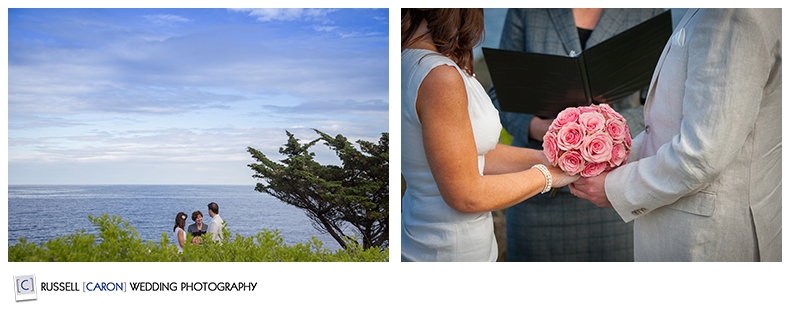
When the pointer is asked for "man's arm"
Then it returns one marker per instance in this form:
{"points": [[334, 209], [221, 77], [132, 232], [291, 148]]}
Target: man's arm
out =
{"points": [[728, 65]]}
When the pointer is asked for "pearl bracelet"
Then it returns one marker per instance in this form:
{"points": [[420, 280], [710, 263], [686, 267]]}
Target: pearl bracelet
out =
{"points": [[546, 173]]}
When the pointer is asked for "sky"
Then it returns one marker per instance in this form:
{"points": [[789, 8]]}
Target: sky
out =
{"points": [[175, 96]]}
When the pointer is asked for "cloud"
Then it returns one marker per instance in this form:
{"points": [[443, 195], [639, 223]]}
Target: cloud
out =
{"points": [[334, 107], [320, 28], [93, 89], [27, 121], [78, 92], [357, 34], [158, 145], [364, 120], [171, 156], [166, 18], [193, 71], [271, 15]]}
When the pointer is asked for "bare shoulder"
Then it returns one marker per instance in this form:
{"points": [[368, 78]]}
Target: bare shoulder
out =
{"points": [[443, 76], [442, 88]]}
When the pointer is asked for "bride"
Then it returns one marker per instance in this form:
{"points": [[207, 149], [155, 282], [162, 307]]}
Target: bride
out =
{"points": [[455, 170]]}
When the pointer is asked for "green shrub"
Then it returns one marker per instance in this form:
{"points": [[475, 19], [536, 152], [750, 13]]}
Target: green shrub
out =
{"points": [[118, 241]]}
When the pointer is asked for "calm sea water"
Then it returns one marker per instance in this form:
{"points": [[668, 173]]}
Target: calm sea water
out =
{"points": [[40, 213]]}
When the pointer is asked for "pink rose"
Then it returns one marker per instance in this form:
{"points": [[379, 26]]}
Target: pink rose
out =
{"points": [[610, 113], [592, 122], [619, 154], [607, 111], [587, 140], [597, 148], [550, 147], [569, 115], [594, 169], [570, 136], [590, 108], [616, 129], [571, 162]]}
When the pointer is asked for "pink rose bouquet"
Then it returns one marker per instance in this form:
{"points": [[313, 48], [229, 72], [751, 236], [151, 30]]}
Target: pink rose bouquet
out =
{"points": [[587, 140]]}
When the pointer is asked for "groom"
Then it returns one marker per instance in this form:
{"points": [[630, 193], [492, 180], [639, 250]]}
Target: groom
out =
{"points": [[707, 184], [216, 225]]}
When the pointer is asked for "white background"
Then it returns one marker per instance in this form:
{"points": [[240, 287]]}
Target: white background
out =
{"points": [[396, 285]]}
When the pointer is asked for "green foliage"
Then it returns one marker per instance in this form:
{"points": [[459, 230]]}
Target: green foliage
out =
{"points": [[333, 197], [118, 241]]}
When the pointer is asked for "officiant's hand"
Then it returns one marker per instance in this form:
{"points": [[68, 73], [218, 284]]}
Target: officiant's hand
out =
{"points": [[592, 189], [538, 127]]}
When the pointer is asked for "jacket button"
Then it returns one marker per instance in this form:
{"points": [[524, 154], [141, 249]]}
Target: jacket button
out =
{"points": [[647, 129]]}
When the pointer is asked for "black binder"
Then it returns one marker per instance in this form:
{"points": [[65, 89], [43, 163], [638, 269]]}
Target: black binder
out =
{"points": [[544, 85]]}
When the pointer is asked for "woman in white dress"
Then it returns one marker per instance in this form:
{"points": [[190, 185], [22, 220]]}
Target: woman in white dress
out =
{"points": [[178, 230], [455, 170]]}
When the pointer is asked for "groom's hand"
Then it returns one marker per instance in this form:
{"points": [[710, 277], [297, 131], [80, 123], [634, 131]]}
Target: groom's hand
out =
{"points": [[591, 189]]}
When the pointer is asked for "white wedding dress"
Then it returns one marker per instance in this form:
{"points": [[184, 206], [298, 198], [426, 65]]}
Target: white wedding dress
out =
{"points": [[430, 229]]}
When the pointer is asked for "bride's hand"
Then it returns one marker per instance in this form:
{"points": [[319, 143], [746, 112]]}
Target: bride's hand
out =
{"points": [[559, 178]]}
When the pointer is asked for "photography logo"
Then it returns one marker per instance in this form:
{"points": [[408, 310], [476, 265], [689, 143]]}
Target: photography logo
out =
{"points": [[25, 287]]}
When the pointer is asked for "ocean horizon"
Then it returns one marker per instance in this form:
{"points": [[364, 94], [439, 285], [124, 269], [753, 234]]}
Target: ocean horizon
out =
{"points": [[40, 213]]}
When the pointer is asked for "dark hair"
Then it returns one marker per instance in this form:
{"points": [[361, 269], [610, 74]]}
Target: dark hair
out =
{"points": [[195, 215], [181, 220], [213, 207], [455, 32]]}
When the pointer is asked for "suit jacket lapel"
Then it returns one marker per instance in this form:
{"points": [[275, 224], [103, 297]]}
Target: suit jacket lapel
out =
{"points": [[682, 24], [566, 28], [650, 94]]}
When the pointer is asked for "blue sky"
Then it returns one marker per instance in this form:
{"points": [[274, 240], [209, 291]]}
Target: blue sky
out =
{"points": [[161, 96]]}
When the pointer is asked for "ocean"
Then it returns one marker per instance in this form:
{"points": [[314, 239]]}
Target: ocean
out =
{"points": [[43, 212]]}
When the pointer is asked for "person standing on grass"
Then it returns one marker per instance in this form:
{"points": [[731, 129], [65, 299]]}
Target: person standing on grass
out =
{"points": [[216, 225], [178, 230]]}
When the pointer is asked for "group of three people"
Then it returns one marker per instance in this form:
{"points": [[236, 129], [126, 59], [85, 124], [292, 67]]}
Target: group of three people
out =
{"points": [[703, 182], [198, 228]]}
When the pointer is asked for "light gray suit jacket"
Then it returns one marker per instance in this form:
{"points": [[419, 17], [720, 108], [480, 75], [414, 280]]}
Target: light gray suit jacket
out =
{"points": [[707, 185]]}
